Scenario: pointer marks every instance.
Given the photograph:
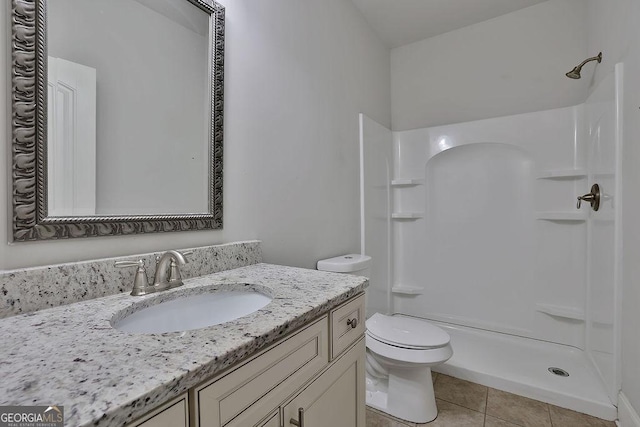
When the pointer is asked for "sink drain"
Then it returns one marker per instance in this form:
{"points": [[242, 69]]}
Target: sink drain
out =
{"points": [[559, 372]]}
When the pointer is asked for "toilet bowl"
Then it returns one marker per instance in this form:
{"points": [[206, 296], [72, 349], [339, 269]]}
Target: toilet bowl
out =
{"points": [[400, 353]]}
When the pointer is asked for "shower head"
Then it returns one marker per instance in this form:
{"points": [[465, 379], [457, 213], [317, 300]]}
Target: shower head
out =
{"points": [[575, 73]]}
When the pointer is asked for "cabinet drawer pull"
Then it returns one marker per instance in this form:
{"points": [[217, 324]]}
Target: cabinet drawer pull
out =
{"points": [[300, 421], [352, 322]]}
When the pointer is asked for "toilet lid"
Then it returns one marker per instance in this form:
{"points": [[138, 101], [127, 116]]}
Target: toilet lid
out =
{"points": [[406, 331]]}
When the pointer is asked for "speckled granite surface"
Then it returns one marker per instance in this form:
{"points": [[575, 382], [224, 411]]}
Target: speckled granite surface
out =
{"points": [[28, 290], [70, 355]]}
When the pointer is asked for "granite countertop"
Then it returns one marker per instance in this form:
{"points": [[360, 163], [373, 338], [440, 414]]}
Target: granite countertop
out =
{"points": [[71, 356]]}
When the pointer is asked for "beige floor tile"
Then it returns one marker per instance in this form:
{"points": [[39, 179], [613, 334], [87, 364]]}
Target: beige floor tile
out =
{"points": [[434, 376], [450, 415], [378, 419], [517, 409], [561, 417], [490, 421], [463, 393]]}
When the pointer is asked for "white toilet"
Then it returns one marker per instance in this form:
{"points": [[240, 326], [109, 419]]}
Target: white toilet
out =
{"points": [[400, 353]]}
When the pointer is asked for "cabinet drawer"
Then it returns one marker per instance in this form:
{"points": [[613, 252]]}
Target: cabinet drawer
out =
{"points": [[347, 325], [175, 413], [240, 397]]}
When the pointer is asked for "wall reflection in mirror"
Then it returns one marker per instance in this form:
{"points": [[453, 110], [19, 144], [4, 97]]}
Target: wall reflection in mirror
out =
{"points": [[129, 113]]}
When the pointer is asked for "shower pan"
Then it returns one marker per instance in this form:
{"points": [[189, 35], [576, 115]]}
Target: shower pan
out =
{"points": [[481, 234]]}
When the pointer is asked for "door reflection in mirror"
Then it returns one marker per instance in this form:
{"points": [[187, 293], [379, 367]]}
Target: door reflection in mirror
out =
{"points": [[71, 128]]}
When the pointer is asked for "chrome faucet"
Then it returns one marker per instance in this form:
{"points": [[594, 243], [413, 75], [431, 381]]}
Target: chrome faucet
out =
{"points": [[168, 270]]}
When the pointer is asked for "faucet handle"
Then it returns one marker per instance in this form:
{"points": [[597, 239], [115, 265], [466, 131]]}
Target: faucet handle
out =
{"points": [[175, 278], [123, 264], [140, 281], [186, 253]]}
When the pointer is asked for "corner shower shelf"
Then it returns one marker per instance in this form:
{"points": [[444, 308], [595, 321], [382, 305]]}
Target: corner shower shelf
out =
{"points": [[407, 290], [407, 215], [562, 173], [572, 313], [406, 182], [562, 216]]}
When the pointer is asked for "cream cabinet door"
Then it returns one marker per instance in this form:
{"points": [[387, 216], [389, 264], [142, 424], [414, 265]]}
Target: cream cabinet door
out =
{"points": [[172, 414], [272, 421], [243, 396], [336, 398]]}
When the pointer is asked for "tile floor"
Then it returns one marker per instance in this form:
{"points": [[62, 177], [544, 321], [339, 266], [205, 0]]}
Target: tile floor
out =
{"points": [[465, 404]]}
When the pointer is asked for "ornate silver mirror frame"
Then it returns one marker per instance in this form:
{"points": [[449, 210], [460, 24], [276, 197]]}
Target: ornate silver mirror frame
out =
{"points": [[29, 139]]}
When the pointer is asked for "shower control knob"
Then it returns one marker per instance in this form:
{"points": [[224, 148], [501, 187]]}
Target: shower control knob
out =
{"points": [[352, 322], [593, 198]]}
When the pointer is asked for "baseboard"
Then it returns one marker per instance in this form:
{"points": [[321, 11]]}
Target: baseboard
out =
{"points": [[626, 413]]}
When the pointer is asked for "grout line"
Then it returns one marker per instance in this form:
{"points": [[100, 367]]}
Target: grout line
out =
{"points": [[486, 402], [507, 421], [461, 406], [486, 406]]}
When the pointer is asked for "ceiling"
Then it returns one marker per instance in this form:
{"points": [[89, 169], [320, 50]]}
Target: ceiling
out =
{"points": [[400, 22]]}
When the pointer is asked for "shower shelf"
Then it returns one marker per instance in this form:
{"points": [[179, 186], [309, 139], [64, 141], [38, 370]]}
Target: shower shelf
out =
{"points": [[407, 290], [561, 311], [407, 215], [562, 216], [406, 182], [562, 173]]}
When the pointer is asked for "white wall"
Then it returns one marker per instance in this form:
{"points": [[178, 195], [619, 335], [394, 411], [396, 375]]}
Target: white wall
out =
{"points": [[296, 76], [511, 64], [613, 29]]}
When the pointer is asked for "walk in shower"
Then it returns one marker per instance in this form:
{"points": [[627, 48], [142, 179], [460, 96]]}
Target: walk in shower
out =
{"points": [[475, 227]]}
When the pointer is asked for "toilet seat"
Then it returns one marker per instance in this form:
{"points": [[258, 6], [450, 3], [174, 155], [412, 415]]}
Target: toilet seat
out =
{"points": [[402, 341], [406, 332]]}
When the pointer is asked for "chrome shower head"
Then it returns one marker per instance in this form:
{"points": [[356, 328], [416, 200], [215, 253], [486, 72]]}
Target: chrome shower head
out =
{"points": [[575, 73]]}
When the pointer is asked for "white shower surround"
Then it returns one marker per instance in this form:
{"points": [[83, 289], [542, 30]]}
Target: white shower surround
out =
{"points": [[565, 299], [476, 276]]}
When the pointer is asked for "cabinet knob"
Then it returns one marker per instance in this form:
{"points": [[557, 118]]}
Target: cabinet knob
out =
{"points": [[352, 322], [300, 421]]}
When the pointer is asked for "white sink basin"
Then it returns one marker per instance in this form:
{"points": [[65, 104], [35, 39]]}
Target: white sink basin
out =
{"points": [[193, 312]]}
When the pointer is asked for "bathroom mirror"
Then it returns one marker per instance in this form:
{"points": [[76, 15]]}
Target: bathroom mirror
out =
{"points": [[117, 109]]}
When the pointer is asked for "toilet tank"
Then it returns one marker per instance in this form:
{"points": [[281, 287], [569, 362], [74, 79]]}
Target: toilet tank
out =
{"points": [[356, 264]]}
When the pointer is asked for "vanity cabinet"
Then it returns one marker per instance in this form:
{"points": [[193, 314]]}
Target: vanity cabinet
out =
{"points": [[317, 371]]}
